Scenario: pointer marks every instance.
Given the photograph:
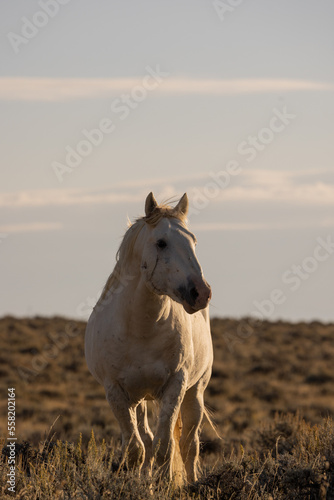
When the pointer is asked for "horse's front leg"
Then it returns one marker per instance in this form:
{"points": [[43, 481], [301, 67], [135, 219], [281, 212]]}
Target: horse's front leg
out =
{"points": [[145, 432], [170, 404], [192, 410], [132, 445]]}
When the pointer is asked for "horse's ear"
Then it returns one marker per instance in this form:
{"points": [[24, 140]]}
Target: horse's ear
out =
{"points": [[150, 204], [183, 206]]}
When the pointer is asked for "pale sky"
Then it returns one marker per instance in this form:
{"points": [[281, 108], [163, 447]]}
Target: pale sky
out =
{"points": [[232, 102]]}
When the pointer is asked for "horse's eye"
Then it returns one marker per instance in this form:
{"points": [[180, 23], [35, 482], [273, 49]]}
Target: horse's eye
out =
{"points": [[161, 244]]}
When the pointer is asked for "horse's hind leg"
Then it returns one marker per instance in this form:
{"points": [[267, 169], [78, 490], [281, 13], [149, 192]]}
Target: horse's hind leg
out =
{"points": [[132, 444], [145, 431], [192, 410]]}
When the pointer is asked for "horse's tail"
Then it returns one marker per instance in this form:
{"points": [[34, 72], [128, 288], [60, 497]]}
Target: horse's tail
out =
{"points": [[208, 416], [178, 467]]}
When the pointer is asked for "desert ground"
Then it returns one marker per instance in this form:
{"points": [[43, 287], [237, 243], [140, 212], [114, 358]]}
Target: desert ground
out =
{"points": [[271, 395]]}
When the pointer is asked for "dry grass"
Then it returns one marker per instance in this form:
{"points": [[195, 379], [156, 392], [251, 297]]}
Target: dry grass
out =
{"points": [[271, 393], [299, 466]]}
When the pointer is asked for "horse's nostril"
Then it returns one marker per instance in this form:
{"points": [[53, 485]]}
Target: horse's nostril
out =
{"points": [[193, 293]]}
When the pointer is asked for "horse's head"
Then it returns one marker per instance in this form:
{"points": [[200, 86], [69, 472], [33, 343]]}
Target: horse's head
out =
{"points": [[169, 264]]}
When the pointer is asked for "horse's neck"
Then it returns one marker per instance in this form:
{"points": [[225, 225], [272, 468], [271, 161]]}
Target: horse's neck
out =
{"points": [[145, 309]]}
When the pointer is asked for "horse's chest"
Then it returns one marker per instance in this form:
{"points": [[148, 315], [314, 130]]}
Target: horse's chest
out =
{"points": [[144, 379]]}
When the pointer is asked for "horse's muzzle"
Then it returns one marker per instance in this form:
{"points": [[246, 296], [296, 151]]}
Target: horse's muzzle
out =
{"points": [[196, 295]]}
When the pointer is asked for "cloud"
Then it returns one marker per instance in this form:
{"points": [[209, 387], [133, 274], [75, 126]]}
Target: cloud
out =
{"points": [[296, 187], [31, 227], [240, 86], [252, 186], [123, 192], [313, 194], [229, 226], [255, 189], [249, 226], [64, 89], [64, 197]]}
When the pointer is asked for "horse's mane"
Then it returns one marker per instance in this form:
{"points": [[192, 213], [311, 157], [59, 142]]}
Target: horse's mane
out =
{"points": [[119, 274]]}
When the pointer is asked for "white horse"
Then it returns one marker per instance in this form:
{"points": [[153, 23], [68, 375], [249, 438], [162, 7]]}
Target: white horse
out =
{"points": [[148, 338]]}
